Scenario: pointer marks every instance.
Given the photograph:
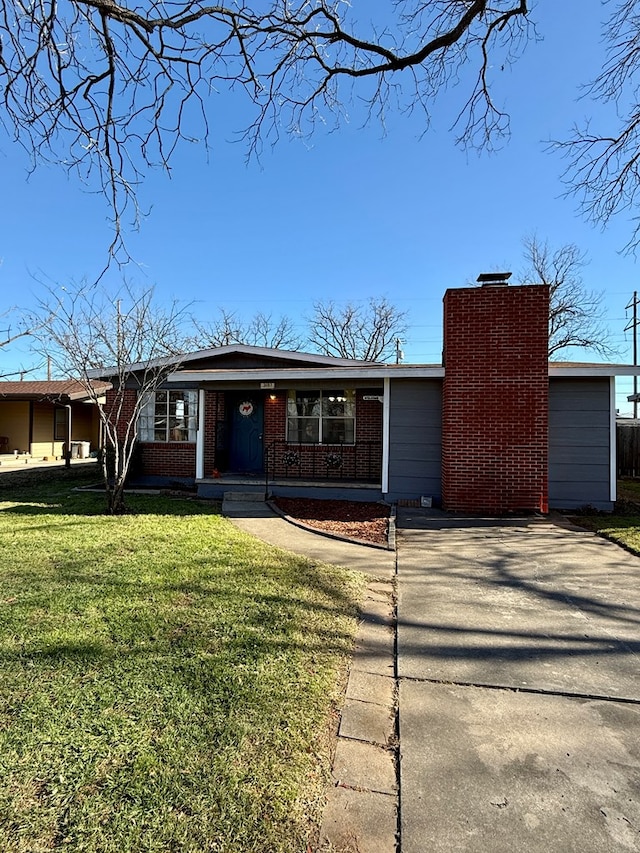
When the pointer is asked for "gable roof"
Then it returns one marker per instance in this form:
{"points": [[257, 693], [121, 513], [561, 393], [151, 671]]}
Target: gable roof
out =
{"points": [[55, 391], [262, 355]]}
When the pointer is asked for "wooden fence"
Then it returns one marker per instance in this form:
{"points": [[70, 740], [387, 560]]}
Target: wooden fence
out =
{"points": [[628, 449]]}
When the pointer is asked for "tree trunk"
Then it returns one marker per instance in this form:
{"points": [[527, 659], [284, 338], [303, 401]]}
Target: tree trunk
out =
{"points": [[114, 480], [115, 498]]}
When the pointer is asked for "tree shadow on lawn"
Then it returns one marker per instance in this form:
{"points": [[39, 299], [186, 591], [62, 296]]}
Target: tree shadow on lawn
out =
{"points": [[237, 593], [95, 504], [66, 492], [193, 599], [254, 635]]}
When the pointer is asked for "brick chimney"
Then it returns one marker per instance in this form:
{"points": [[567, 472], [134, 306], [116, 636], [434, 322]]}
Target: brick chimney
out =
{"points": [[495, 398]]}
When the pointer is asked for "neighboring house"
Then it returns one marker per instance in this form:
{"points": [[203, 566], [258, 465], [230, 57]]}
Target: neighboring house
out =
{"points": [[40, 418], [495, 428]]}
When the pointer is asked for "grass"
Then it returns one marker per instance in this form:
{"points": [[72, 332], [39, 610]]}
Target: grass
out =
{"points": [[167, 683], [623, 524]]}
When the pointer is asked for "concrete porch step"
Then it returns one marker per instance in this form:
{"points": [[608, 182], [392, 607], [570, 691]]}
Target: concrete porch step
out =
{"points": [[249, 505], [244, 496]]}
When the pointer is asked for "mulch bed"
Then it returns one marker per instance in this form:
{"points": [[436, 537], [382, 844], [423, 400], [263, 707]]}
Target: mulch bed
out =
{"points": [[365, 521]]}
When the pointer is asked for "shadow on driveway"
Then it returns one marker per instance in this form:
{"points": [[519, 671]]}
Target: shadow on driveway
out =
{"points": [[519, 669]]}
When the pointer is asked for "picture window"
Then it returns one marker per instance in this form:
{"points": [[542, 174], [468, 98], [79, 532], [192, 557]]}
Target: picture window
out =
{"points": [[321, 417]]}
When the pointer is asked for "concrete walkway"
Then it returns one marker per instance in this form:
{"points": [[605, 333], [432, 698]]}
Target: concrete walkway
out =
{"points": [[362, 805], [518, 673]]}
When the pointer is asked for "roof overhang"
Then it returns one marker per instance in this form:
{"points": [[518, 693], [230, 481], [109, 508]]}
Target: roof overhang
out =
{"points": [[576, 369], [367, 373], [382, 371], [38, 392]]}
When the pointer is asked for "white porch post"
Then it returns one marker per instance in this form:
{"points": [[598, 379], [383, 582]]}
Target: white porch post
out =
{"points": [[385, 435], [613, 460], [200, 437]]}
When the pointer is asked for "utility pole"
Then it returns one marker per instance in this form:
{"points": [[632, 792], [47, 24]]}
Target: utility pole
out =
{"points": [[118, 332], [399, 353], [633, 324]]}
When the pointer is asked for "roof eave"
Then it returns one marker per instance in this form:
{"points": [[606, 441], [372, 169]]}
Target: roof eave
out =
{"points": [[368, 372], [592, 370]]}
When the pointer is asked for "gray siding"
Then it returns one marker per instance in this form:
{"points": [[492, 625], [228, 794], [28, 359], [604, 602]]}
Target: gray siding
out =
{"points": [[415, 439], [579, 443]]}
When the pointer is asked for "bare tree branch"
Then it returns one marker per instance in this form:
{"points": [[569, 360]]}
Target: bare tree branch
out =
{"points": [[109, 90], [88, 329], [359, 331], [261, 330], [575, 313], [265, 331], [603, 168]]}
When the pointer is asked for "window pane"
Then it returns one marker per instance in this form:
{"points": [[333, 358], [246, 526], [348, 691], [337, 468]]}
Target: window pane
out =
{"points": [[160, 430], [60, 425], [169, 416], [182, 415], [191, 400], [160, 417], [147, 418], [303, 403], [177, 426], [338, 404], [337, 430], [304, 430]]}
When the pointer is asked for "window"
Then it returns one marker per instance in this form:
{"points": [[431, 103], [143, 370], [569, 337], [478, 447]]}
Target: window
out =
{"points": [[59, 424], [321, 417], [169, 416]]}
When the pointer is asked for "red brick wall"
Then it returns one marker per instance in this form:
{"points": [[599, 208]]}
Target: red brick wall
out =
{"points": [[214, 413], [168, 459], [129, 396], [495, 399], [368, 418], [275, 417], [368, 429]]}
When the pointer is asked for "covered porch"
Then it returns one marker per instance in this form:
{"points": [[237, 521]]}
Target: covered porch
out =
{"points": [[292, 442]]}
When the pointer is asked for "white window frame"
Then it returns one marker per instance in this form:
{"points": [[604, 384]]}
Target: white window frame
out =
{"points": [[149, 420], [321, 417]]}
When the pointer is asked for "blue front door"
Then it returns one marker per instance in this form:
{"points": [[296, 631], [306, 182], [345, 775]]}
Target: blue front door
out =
{"points": [[247, 426]]}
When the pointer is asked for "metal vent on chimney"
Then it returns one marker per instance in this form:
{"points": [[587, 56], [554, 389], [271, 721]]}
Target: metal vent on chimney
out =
{"points": [[494, 279]]}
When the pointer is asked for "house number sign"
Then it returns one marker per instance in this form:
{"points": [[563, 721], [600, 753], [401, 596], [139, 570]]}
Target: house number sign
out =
{"points": [[246, 409]]}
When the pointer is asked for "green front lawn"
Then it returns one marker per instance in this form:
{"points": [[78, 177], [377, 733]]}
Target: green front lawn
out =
{"points": [[623, 524], [167, 683]]}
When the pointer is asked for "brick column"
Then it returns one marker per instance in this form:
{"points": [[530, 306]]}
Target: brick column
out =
{"points": [[495, 399]]}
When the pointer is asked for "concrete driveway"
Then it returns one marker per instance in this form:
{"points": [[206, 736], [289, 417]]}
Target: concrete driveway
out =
{"points": [[519, 688]]}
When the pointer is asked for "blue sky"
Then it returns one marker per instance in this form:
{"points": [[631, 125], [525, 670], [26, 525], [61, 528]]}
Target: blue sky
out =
{"points": [[350, 214]]}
